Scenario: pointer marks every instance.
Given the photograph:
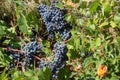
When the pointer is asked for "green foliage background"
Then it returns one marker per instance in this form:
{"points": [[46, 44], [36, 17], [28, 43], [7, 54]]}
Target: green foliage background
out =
{"points": [[95, 38]]}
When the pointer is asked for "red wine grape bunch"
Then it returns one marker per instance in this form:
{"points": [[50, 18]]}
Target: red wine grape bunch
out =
{"points": [[30, 53]]}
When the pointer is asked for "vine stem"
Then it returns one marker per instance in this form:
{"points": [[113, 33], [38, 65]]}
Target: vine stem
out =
{"points": [[14, 50], [20, 52]]}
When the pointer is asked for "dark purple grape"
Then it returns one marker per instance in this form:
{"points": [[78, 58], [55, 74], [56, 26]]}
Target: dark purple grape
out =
{"points": [[54, 20], [65, 34]]}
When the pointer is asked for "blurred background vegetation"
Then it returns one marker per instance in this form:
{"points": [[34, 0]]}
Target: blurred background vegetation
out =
{"points": [[95, 38]]}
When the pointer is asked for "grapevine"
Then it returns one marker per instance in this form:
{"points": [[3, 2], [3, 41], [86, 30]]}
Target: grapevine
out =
{"points": [[59, 39], [31, 53]]}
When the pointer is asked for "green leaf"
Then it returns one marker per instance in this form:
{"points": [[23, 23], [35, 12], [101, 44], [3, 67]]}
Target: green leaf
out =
{"points": [[98, 42], [83, 5], [17, 75], [2, 23], [3, 75], [88, 61], [70, 46], [118, 39], [4, 59], [34, 78], [117, 18], [113, 24], [106, 7], [28, 74], [103, 24], [2, 30], [41, 75], [68, 17], [48, 72], [79, 22], [92, 27], [114, 77], [2, 27], [60, 5], [22, 23], [94, 6], [77, 43]]}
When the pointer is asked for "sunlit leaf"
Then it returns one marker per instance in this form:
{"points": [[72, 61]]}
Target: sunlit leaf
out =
{"points": [[3, 75], [98, 42], [79, 22], [70, 46], [92, 27], [68, 17], [103, 24], [22, 23], [94, 5], [113, 24], [106, 7]]}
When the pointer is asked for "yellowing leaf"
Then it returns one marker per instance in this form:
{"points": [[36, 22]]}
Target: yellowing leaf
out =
{"points": [[113, 24], [70, 46], [98, 42], [103, 24]]}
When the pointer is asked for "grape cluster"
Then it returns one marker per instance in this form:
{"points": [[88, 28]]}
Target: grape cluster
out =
{"points": [[31, 47], [54, 20], [60, 58], [29, 50], [58, 62]]}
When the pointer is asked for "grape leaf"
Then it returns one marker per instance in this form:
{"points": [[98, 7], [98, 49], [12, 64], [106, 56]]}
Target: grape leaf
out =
{"points": [[22, 23]]}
